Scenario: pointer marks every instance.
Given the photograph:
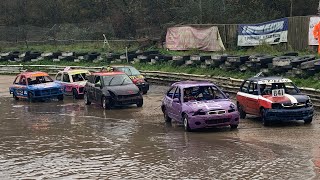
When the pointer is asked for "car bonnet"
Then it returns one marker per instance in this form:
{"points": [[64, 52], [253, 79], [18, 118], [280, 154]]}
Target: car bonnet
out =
{"points": [[209, 105]]}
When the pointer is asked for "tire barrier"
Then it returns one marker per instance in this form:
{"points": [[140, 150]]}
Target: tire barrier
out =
{"points": [[289, 64]]}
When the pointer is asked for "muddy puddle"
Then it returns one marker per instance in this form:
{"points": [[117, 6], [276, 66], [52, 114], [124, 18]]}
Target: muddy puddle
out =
{"points": [[48, 140]]}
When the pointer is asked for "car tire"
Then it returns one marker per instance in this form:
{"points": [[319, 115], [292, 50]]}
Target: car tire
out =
{"points": [[234, 126], [86, 99], [140, 103], [165, 115], [75, 94], [265, 122], [30, 97], [241, 112], [15, 97], [60, 97], [308, 121], [186, 123], [106, 103]]}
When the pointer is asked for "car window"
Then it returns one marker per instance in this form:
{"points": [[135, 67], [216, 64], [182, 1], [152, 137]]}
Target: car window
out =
{"points": [[66, 77], [126, 70], [117, 80], [289, 88], [58, 77], [202, 93], [16, 80], [97, 80], [38, 80], [77, 78], [23, 80], [171, 92], [177, 93], [91, 79], [245, 86], [253, 88]]}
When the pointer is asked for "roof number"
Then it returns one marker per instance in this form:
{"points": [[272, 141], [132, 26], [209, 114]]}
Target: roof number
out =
{"points": [[278, 92]]}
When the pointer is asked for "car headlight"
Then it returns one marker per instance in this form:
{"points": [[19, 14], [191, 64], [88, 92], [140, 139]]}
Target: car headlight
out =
{"points": [[309, 103], [232, 108]]}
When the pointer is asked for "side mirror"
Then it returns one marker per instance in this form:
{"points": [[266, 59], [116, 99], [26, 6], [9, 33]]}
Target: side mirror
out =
{"points": [[176, 100], [228, 95]]}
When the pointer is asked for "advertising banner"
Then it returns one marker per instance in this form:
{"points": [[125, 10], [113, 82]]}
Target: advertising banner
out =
{"points": [[272, 32], [189, 38], [312, 23]]}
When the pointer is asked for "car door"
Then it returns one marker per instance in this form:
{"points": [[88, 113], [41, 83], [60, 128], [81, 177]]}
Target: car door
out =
{"points": [[177, 106], [168, 101], [253, 99], [89, 87], [66, 82], [243, 94], [97, 91], [20, 87]]}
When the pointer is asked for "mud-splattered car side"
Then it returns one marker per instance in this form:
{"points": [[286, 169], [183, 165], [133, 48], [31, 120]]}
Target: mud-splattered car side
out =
{"points": [[35, 85]]}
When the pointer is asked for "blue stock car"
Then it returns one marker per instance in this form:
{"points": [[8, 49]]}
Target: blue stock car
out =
{"points": [[36, 86]]}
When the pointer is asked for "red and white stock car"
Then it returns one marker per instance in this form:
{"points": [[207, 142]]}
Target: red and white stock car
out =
{"points": [[273, 99]]}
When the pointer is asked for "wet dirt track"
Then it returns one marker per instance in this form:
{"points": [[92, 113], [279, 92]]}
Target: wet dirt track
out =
{"points": [[70, 140]]}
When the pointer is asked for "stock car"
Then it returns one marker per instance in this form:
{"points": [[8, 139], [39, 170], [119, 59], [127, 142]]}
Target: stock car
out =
{"points": [[273, 99], [35, 86], [137, 78], [73, 80], [111, 89], [197, 105]]}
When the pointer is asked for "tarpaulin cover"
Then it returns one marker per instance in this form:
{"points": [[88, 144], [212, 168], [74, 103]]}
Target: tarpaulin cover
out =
{"points": [[189, 38], [313, 21], [272, 32]]}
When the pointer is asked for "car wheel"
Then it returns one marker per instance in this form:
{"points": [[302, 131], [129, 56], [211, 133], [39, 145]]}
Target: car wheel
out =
{"points": [[140, 103], [308, 121], [15, 97], [106, 103], [241, 112], [86, 99], [234, 126], [60, 97], [30, 97], [166, 117], [75, 94], [265, 122], [186, 123]]}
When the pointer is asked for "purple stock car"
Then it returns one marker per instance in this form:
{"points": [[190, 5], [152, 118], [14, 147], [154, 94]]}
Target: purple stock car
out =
{"points": [[199, 104]]}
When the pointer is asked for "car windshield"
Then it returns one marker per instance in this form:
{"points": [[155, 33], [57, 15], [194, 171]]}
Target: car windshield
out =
{"points": [[288, 87], [117, 80], [131, 71], [202, 93], [38, 80]]}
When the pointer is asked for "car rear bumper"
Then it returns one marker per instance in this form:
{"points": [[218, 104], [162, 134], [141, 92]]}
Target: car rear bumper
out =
{"points": [[289, 114], [143, 86], [207, 121]]}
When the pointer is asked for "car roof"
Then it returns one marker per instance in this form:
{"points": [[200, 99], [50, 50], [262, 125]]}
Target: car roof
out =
{"points": [[186, 84], [121, 66], [266, 80], [75, 71], [107, 73], [34, 74]]}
